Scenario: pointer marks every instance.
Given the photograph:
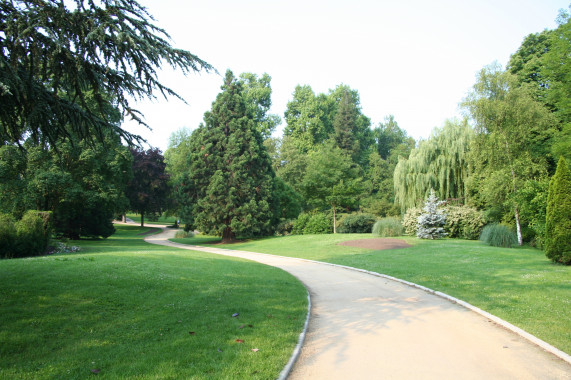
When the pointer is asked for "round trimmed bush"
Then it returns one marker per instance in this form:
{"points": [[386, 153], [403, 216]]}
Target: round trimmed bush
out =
{"points": [[464, 222], [318, 224]]}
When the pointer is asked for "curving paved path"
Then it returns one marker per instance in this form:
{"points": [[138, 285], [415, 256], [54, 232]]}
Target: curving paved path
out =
{"points": [[368, 327]]}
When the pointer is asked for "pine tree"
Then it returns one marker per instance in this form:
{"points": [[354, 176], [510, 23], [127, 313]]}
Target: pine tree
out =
{"points": [[231, 176], [345, 124], [431, 222], [558, 218]]}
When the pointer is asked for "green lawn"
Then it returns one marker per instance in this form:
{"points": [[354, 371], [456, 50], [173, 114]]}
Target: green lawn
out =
{"points": [[519, 285], [130, 310], [161, 220]]}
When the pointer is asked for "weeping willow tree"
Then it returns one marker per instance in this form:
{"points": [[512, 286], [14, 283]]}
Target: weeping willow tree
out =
{"points": [[439, 163]]}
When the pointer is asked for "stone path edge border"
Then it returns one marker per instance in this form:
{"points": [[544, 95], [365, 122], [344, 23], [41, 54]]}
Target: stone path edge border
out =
{"points": [[508, 326], [297, 350]]}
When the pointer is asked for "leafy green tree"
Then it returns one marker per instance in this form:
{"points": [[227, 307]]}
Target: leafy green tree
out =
{"points": [[82, 183], [558, 219], [331, 180], [392, 141], [258, 96], [230, 178], [292, 163], [544, 61], [149, 188], [557, 71], [526, 63], [512, 139], [53, 54], [287, 201], [440, 163], [305, 119]]}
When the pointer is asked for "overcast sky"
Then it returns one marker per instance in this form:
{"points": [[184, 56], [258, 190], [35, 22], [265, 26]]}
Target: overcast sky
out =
{"points": [[414, 59]]}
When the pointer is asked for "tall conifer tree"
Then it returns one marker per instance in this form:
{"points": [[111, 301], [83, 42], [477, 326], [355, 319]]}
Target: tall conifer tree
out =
{"points": [[558, 220], [231, 175]]}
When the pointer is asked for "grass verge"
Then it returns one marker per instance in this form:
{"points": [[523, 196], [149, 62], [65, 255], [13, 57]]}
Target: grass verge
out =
{"points": [[161, 220], [519, 285], [126, 309]]}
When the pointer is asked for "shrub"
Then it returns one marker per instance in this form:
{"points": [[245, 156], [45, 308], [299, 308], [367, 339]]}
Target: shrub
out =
{"points": [[498, 235], [300, 223], [388, 227], [356, 223], [183, 234], [284, 227], [558, 216], [33, 233], [410, 220], [7, 236], [464, 222], [318, 224]]}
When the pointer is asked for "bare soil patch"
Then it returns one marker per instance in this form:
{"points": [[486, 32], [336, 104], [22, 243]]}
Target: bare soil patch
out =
{"points": [[377, 244]]}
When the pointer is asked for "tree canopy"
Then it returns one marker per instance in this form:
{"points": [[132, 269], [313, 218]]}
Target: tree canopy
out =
{"points": [[54, 55], [230, 177], [148, 191]]}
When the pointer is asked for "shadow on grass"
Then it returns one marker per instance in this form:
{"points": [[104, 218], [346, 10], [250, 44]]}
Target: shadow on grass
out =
{"points": [[131, 315]]}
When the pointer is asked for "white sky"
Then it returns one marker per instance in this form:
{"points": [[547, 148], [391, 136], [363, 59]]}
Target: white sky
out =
{"points": [[414, 59]]}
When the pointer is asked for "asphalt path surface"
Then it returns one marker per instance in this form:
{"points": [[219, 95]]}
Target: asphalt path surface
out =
{"points": [[364, 326]]}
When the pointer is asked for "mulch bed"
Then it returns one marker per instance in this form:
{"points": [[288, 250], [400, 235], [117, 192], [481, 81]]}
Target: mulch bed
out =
{"points": [[377, 244]]}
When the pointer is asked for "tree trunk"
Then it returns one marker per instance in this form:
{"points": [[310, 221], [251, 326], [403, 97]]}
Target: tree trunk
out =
{"points": [[228, 236], [518, 226], [516, 211], [334, 221], [142, 219]]}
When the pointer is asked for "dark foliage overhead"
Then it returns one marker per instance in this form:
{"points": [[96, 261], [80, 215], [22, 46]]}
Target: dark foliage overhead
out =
{"points": [[56, 54]]}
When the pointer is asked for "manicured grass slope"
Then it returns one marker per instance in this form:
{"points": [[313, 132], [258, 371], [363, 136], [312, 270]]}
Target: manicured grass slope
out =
{"points": [[519, 285], [131, 310]]}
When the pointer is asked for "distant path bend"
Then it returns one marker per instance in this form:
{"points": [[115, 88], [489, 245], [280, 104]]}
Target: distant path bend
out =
{"points": [[368, 327]]}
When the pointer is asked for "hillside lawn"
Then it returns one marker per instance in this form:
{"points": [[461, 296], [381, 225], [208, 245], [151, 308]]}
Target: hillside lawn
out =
{"points": [[123, 308], [519, 285]]}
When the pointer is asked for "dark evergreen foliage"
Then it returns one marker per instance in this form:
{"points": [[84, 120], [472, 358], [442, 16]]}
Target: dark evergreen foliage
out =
{"points": [[54, 53], [558, 219], [230, 181]]}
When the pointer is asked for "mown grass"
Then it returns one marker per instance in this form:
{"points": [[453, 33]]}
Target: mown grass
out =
{"points": [[126, 309], [519, 285], [161, 220]]}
